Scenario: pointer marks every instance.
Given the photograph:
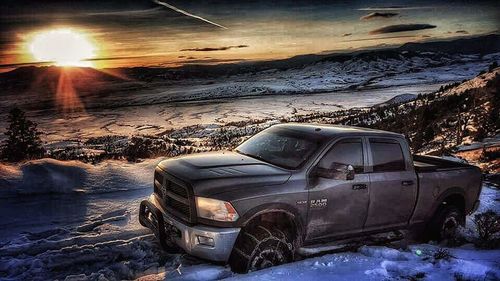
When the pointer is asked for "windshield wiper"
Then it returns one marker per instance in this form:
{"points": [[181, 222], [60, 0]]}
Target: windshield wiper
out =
{"points": [[252, 156], [261, 159]]}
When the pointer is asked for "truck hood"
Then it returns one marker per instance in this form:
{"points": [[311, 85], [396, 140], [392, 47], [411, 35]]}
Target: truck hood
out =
{"points": [[218, 172]]}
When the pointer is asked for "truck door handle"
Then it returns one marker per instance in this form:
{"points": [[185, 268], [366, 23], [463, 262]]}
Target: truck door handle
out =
{"points": [[359, 186], [407, 183]]}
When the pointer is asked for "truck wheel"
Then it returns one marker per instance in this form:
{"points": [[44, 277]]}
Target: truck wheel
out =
{"points": [[445, 223], [260, 247], [170, 247]]}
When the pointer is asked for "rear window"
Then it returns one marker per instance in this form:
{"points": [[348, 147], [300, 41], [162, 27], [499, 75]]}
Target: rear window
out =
{"points": [[387, 155]]}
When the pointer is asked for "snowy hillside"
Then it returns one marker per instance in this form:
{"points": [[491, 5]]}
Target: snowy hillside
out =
{"points": [[94, 234], [364, 71], [76, 218], [131, 101]]}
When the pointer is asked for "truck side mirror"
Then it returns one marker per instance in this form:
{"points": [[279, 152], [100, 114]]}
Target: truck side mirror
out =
{"points": [[336, 171], [350, 173]]}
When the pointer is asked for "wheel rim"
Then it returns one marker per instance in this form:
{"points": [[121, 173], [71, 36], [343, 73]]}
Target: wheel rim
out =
{"points": [[267, 258], [449, 228]]}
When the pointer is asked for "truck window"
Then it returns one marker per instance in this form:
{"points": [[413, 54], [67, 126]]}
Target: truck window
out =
{"points": [[282, 147], [387, 155], [346, 152]]}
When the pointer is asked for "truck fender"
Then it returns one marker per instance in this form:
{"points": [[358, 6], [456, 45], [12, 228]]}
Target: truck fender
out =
{"points": [[448, 192], [271, 208]]}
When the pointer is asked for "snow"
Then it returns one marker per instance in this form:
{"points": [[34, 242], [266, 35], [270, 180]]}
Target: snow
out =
{"points": [[381, 263], [90, 231], [490, 196], [487, 142], [68, 220], [49, 176], [322, 86]]}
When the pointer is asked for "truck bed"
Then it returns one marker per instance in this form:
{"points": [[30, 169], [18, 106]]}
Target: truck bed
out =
{"points": [[437, 175], [431, 164]]}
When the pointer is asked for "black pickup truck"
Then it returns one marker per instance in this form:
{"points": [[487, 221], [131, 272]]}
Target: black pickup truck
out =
{"points": [[297, 189]]}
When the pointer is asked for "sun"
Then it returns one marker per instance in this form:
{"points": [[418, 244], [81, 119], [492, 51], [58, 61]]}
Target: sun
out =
{"points": [[64, 47]]}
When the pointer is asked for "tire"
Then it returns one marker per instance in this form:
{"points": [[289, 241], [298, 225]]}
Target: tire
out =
{"points": [[444, 224], [260, 247], [170, 247]]}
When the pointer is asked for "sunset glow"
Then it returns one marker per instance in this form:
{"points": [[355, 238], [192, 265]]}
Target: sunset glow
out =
{"points": [[64, 47], [164, 33]]}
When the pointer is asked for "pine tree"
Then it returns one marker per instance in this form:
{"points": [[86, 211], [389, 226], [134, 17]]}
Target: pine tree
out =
{"points": [[23, 139]]}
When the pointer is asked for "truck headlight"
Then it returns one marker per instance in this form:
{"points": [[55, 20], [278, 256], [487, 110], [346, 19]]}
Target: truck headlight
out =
{"points": [[214, 209]]}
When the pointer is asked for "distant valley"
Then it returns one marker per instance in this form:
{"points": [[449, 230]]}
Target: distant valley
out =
{"points": [[80, 103]]}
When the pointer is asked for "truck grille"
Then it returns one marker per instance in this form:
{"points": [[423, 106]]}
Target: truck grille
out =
{"points": [[158, 177], [177, 189], [177, 205], [175, 194]]}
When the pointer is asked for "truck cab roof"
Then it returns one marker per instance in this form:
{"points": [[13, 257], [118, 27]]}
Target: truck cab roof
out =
{"points": [[337, 130]]}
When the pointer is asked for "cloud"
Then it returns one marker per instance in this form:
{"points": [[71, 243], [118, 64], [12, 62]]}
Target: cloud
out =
{"points": [[346, 34], [127, 13], [195, 61], [15, 65], [210, 61], [401, 28], [42, 63], [393, 8], [378, 38], [211, 49], [187, 13], [375, 15], [118, 58]]}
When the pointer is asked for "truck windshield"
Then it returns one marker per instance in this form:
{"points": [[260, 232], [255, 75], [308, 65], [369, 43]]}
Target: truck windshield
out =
{"points": [[282, 147]]}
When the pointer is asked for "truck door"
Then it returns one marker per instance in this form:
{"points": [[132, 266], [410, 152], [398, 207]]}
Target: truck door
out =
{"points": [[339, 206], [393, 184]]}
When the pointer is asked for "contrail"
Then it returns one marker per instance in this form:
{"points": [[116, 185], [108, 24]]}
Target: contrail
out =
{"points": [[187, 13]]}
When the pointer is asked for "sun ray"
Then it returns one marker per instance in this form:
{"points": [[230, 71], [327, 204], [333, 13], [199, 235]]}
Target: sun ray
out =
{"points": [[67, 99]]}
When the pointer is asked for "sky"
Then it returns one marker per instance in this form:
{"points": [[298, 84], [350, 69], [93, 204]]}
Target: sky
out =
{"points": [[130, 33]]}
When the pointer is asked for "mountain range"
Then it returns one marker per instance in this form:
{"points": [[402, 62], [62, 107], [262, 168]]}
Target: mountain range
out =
{"points": [[426, 63], [482, 45]]}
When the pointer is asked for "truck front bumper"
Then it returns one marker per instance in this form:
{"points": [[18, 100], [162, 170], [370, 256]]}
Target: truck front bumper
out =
{"points": [[211, 243]]}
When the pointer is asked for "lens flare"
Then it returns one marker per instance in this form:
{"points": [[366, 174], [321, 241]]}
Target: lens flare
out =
{"points": [[64, 47]]}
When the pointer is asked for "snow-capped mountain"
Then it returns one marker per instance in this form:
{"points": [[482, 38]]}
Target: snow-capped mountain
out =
{"points": [[410, 64]]}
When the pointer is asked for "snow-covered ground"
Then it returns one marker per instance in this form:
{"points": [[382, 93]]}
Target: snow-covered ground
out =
{"points": [[156, 118], [382, 263], [321, 86], [68, 220]]}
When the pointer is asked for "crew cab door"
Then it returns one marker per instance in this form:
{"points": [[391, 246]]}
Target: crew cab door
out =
{"points": [[338, 206], [393, 184]]}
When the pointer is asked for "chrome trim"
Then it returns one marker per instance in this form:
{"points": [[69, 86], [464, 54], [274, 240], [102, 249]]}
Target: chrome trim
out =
{"points": [[224, 238]]}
